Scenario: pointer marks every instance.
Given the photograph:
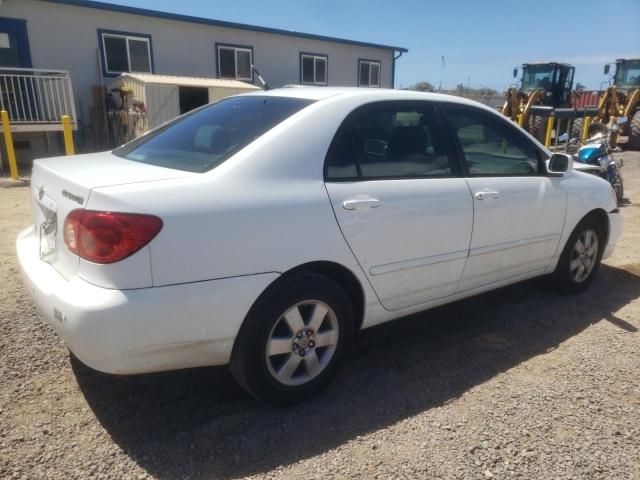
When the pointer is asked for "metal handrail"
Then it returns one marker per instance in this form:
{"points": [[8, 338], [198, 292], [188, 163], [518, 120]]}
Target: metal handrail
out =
{"points": [[36, 96], [20, 69]]}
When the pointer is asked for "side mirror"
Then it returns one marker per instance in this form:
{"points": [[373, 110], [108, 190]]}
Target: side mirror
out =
{"points": [[559, 164], [564, 137], [515, 72], [621, 120], [606, 69]]}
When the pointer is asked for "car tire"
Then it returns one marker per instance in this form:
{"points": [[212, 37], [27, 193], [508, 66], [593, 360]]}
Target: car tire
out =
{"points": [[576, 270], [293, 339]]}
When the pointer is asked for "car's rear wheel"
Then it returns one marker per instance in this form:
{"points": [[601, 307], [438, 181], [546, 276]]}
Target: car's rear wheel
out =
{"points": [[580, 259], [293, 339]]}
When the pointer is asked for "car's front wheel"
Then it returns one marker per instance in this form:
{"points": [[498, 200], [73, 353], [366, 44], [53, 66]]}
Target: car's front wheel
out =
{"points": [[293, 339], [581, 257]]}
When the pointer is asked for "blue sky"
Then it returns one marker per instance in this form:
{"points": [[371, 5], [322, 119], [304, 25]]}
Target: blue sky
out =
{"points": [[481, 40]]}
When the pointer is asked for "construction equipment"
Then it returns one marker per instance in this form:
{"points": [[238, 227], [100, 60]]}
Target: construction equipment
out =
{"points": [[548, 84], [621, 99]]}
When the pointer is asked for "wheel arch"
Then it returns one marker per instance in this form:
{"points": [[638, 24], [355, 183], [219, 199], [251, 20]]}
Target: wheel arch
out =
{"points": [[344, 277], [561, 276], [603, 219]]}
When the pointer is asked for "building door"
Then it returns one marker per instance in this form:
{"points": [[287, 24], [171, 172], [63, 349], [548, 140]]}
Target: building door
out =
{"points": [[14, 43], [192, 98], [14, 53]]}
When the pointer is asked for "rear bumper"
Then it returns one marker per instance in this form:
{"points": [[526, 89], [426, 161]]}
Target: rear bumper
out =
{"points": [[615, 231], [142, 330]]}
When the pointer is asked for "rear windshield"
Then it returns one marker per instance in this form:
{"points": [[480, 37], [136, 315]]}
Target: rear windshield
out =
{"points": [[204, 138]]}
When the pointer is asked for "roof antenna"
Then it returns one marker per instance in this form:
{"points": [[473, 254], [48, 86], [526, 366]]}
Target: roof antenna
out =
{"points": [[265, 85]]}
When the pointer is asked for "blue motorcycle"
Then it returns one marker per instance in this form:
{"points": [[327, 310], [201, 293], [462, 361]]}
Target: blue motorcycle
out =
{"points": [[595, 157]]}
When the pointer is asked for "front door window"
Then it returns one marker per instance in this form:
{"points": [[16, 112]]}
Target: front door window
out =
{"points": [[490, 146]]}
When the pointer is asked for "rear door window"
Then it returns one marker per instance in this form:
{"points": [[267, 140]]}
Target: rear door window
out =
{"points": [[398, 141], [204, 138]]}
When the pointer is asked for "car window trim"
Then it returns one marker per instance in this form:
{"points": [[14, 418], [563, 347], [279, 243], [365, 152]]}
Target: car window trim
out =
{"points": [[450, 139], [542, 169], [418, 105]]}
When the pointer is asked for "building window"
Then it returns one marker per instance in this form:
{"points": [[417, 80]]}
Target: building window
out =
{"points": [[235, 62], [313, 69], [124, 52], [369, 73]]}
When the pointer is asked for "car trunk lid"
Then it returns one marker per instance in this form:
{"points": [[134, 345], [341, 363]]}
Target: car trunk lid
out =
{"points": [[63, 184]]}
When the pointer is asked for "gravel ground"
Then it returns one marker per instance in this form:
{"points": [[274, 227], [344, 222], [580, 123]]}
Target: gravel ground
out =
{"points": [[518, 383]]}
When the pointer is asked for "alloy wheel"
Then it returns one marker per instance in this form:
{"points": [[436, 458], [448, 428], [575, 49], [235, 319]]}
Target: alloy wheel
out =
{"points": [[584, 256], [302, 342]]}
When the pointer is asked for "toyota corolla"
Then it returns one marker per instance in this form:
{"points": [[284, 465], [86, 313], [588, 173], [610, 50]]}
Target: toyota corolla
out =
{"points": [[266, 230]]}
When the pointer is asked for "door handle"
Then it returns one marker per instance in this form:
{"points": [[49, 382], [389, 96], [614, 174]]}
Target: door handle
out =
{"points": [[354, 203], [487, 194]]}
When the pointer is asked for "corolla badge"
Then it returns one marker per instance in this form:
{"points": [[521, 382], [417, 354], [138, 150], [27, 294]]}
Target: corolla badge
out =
{"points": [[72, 196]]}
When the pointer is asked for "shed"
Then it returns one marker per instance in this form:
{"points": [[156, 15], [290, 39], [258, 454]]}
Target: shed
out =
{"points": [[165, 96]]}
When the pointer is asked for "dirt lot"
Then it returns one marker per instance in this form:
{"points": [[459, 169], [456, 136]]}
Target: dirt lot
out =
{"points": [[519, 383]]}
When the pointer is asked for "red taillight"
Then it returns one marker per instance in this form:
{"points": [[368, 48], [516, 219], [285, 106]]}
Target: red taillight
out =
{"points": [[108, 237]]}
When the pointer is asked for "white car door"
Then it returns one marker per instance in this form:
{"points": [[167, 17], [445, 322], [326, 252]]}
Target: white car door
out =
{"points": [[518, 209], [400, 201]]}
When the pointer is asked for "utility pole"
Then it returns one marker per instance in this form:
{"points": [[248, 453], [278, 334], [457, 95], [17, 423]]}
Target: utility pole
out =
{"points": [[442, 65]]}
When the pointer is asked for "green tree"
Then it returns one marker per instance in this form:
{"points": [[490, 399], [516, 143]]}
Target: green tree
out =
{"points": [[422, 87]]}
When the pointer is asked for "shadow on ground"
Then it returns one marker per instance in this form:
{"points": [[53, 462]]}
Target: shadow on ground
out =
{"points": [[198, 423]]}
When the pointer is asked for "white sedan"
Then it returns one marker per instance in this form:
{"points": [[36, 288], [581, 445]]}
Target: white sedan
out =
{"points": [[266, 230]]}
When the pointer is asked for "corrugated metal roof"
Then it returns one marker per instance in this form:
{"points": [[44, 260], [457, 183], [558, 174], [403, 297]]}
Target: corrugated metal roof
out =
{"points": [[187, 81]]}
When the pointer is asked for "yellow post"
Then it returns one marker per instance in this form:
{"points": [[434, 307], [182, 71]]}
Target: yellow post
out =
{"points": [[585, 128], [8, 140], [547, 137], [68, 135], [520, 116]]}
